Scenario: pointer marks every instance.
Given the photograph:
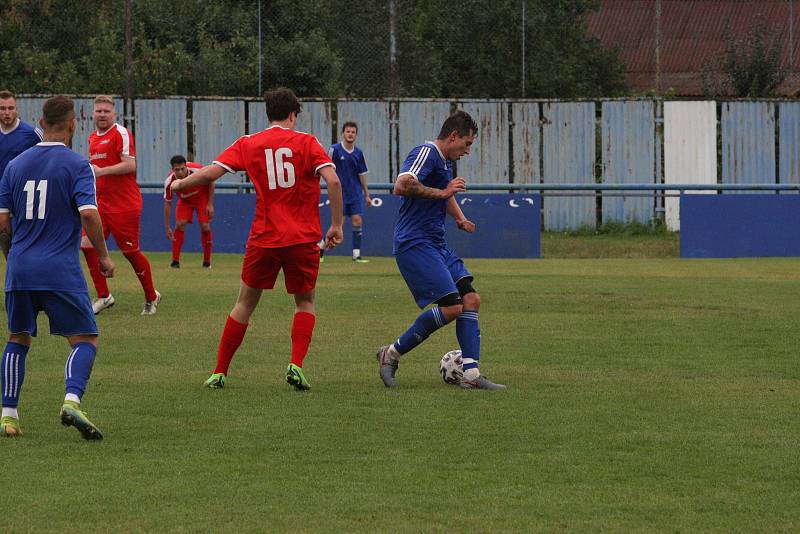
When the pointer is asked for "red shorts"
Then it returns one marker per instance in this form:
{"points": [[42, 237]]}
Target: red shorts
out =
{"points": [[300, 264], [124, 226], [185, 211]]}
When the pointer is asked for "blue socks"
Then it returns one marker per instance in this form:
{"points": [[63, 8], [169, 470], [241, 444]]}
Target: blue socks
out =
{"points": [[357, 233], [426, 324], [13, 373], [79, 367], [469, 338]]}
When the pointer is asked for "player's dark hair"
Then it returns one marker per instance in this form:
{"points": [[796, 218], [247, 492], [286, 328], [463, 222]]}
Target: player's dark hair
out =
{"points": [[57, 111], [459, 122], [350, 124], [280, 103], [5, 94], [177, 159]]}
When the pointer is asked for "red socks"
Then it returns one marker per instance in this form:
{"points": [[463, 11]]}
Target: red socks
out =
{"points": [[177, 244], [232, 337], [206, 239], [93, 262], [302, 329], [142, 269], [233, 334]]}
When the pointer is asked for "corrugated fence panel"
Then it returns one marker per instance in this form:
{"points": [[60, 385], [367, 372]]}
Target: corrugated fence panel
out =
{"points": [[527, 138], [217, 124], [789, 163], [690, 150], [316, 119], [374, 136], [569, 152], [487, 162], [30, 110], [748, 142], [256, 117], [628, 158], [160, 134], [419, 122]]}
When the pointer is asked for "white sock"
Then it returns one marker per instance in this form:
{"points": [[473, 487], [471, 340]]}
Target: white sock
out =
{"points": [[393, 354], [356, 253], [472, 374], [72, 397], [10, 412]]}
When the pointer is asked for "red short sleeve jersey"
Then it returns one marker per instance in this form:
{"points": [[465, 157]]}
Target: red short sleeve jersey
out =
{"points": [[283, 165], [119, 192], [193, 195]]}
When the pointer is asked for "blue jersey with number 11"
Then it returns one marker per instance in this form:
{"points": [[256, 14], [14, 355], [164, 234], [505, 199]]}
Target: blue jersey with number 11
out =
{"points": [[44, 190]]}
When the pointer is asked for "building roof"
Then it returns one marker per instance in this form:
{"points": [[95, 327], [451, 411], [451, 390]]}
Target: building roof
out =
{"points": [[693, 36]]}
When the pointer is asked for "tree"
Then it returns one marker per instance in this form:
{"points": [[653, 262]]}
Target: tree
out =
{"points": [[750, 66], [324, 48]]}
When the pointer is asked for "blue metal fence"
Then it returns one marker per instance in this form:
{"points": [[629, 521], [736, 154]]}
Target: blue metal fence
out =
{"points": [[520, 142]]}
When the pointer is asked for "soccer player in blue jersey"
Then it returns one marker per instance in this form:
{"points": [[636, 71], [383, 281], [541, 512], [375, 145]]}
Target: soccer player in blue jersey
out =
{"points": [[46, 195], [432, 271], [351, 167], [15, 136]]}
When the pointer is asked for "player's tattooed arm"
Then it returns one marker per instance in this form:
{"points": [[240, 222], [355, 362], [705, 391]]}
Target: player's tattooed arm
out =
{"points": [[5, 233], [408, 186]]}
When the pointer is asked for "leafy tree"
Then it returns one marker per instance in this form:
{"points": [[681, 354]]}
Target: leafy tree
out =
{"points": [[321, 48], [750, 65]]}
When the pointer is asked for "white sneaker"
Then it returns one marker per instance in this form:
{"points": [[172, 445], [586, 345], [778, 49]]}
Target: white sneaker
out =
{"points": [[151, 305], [101, 304]]}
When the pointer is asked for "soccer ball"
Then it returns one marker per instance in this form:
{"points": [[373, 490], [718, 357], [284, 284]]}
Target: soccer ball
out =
{"points": [[451, 367]]}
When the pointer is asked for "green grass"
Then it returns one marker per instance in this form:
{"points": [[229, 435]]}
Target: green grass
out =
{"points": [[644, 395]]}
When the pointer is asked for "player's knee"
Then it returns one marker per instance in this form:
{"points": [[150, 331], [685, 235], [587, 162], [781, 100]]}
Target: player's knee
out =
{"points": [[472, 301], [93, 340], [356, 220], [180, 225], [450, 313], [23, 338], [205, 227]]}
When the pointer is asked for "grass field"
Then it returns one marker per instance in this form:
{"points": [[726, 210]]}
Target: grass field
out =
{"points": [[650, 394]]}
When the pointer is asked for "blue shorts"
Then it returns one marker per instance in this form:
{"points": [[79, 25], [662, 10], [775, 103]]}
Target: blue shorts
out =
{"points": [[430, 272], [70, 314], [354, 208]]}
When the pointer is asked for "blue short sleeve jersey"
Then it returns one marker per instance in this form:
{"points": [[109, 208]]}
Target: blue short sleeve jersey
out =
{"points": [[18, 140], [44, 190], [349, 165], [422, 219]]}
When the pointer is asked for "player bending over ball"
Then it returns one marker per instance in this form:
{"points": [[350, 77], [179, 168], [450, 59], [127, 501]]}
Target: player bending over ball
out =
{"points": [[46, 195], [285, 166], [199, 199], [433, 272]]}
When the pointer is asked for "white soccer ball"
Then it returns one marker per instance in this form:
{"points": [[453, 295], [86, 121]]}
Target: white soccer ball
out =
{"points": [[451, 367]]}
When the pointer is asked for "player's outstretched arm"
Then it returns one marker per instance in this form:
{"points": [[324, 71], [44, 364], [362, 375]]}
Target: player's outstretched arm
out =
{"points": [[205, 176], [90, 219], [334, 234], [454, 210], [167, 216], [408, 186], [365, 188], [126, 166], [5, 233], [210, 206]]}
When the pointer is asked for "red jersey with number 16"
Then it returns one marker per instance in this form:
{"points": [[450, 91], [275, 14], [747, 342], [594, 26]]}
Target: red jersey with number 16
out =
{"points": [[118, 192], [283, 166]]}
